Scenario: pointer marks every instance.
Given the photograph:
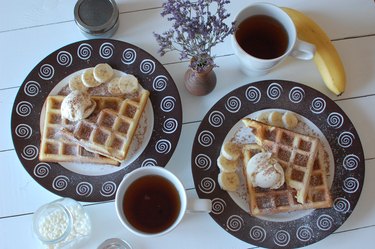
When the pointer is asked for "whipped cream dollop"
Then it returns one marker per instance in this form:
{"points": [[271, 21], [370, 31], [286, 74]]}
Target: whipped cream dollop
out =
{"points": [[77, 105], [264, 171]]}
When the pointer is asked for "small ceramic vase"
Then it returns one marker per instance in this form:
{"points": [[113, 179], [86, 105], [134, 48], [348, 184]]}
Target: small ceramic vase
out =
{"points": [[200, 83]]}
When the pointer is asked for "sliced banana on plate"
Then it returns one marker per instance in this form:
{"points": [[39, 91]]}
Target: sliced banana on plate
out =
{"points": [[275, 119], [75, 83], [128, 84], [290, 120], [230, 151], [263, 117], [88, 78], [229, 181], [226, 165], [103, 72], [114, 86]]}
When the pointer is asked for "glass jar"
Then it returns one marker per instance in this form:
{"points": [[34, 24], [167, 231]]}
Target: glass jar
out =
{"points": [[61, 223]]}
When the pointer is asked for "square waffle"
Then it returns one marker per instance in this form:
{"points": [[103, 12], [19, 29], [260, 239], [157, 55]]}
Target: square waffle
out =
{"points": [[111, 132], [272, 201], [54, 148], [295, 152]]}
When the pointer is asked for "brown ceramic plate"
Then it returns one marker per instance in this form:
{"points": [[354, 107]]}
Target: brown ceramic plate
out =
{"points": [[294, 229], [95, 182]]}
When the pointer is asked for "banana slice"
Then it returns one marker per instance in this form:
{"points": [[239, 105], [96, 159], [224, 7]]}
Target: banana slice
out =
{"points": [[275, 119], [263, 117], [114, 86], [230, 151], [88, 78], [75, 83], [226, 165], [129, 84], [290, 120], [229, 181], [103, 72]]}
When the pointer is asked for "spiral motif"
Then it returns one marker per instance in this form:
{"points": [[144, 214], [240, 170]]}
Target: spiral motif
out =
{"points": [[84, 189], [24, 108], [149, 162], [203, 161], [216, 118], [233, 104], [167, 104], [207, 185], [108, 189], [253, 94], [128, 56], [351, 162], [235, 223], [341, 205], [23, 131], [106, 50], [84, 51], [282, 238], [206, 138], [64, 58], [32, 88], [324, 222], [60, 182], [46, 72], [304, 233], [163, 146], [296, 94], [160, 83], [30, 152], [335, 120], [351, 185], [274, 91], [42, 170], [318, 105], [218, 206], [170, 125], [258, 233], [345, 140], [147, 66]]}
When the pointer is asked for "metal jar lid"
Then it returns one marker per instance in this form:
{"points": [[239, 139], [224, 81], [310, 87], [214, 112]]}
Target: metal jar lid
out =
{"points": [[97, 18]]}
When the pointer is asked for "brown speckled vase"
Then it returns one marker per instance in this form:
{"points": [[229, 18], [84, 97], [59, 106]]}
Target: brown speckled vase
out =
{"points": [[200, 83]]}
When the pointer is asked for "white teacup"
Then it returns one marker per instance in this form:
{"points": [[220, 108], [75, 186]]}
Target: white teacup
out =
{"points": [[252, 64], [151, 201]]}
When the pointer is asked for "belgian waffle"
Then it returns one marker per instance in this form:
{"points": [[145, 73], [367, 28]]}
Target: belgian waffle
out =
{"points": [[54, 148], [295, 152], [272, 201], [111, 132]]}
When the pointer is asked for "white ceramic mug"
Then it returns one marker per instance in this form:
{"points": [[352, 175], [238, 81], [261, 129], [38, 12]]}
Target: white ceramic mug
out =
{"points": [[254, 66], [193, 205]]}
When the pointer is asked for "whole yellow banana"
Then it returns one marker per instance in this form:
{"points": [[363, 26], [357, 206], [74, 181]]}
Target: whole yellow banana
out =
{"points": [[326, 57]]}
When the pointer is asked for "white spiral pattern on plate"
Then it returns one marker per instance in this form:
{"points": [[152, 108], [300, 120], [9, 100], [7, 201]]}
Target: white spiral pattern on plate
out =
{"points": [[84, 189], [350, 162], [335, 120], [30, 152], [46, 72], [64, 58], [84, 51], [253, 94], [218, 206], [60, 183], [206, 138], [32, 88], [274, 91], [258, 233], [160, 83], [108, 189], [106, 50], [207, 185], [23, 131], [304, 233], [163, 146], [147, 66], [149, 162], [296, 94], [351, 185], [42, 170], [345, 140], [24, 108], [324, 222], [170, 125], [341, 205], [167, 104], [216, 119], [282, 238], [233, 104], [203, 161], [235, 223], [318, 105], [128, 56]]}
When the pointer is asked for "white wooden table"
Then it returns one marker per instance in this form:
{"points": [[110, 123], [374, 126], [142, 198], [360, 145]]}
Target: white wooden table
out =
{"points": [[31, 30]]}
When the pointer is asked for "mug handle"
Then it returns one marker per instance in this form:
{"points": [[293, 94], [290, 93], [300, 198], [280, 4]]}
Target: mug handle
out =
{"points": [[303, 50], [199, 205]]}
